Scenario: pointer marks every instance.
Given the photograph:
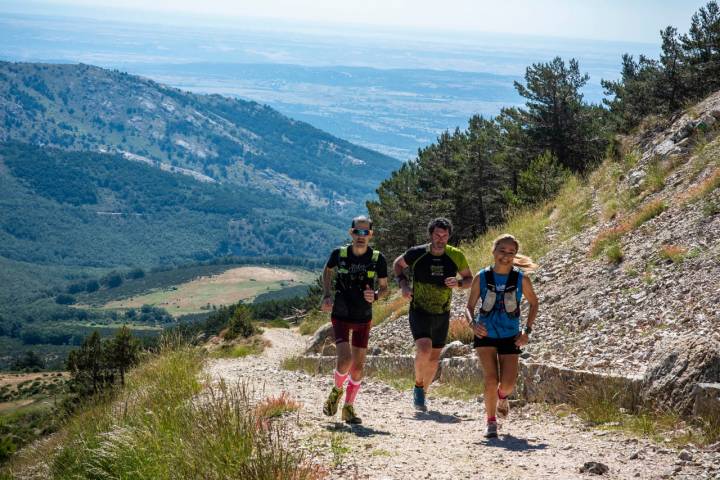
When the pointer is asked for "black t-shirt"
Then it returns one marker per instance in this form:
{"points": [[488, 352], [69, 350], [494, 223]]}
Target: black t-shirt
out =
{"points": [[351, 279], [430, 295]]}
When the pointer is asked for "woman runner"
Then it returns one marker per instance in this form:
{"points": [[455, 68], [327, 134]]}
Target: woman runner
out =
{"points": [[498, 336]]}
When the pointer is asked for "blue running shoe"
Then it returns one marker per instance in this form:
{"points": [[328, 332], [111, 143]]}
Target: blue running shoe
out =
{"points": [[419, 399]]}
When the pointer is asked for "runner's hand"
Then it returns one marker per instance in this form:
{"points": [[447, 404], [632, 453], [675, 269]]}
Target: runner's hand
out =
{"points": [[407, 292], [369, 294], [451, 282], [521, 340], [479, 329], [327, 304]]}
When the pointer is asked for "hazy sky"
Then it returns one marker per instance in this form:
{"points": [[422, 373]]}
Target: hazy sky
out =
{"points": [[622, 20]]}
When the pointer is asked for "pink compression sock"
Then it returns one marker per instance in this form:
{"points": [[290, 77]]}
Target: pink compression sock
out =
{"points": [[340, 379], [491, 419], [352, 391], [500, 395]]}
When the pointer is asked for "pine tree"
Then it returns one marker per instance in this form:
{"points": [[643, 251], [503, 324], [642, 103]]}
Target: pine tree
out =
{"points": [[123, 351], [395, 212], [702, 48], [88, 364], [671, 86], [556, 114]]}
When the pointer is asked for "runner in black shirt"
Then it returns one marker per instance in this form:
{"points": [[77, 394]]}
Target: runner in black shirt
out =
{"points": [[358, 268], [435, 267]]}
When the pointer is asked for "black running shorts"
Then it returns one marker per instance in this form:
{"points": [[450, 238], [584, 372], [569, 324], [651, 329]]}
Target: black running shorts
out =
{"points": [[504, 346], [432, 326]]}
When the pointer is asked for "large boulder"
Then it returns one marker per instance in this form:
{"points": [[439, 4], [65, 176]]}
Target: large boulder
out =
{"points": [[323, 336], [455, 349], [678, 366]]}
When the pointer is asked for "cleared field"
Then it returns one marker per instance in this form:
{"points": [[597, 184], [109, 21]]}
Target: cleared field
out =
{"points": [[231, 286], [13, 379]]}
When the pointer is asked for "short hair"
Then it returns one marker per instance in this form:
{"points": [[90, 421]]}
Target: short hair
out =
{"points": [[361, 219], [440, 222]]}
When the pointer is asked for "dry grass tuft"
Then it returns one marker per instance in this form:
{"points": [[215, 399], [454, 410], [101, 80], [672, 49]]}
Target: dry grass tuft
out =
{"points": [[674, 253], [460, 330], [274, 407]]}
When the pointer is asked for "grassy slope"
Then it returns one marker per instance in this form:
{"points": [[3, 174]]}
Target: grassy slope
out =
{"points": [[168, 422]]}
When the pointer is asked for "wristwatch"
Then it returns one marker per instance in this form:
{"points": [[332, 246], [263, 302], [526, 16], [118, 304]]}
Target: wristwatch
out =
{"points": [[527, 329]]}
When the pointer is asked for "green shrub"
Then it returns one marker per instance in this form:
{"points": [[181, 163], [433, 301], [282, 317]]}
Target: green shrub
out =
{"points": [[240, 323], [614, 253]]}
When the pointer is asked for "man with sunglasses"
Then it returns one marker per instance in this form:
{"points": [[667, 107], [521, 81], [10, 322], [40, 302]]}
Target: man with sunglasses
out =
{"points": [[360, 274], [435, 267]]}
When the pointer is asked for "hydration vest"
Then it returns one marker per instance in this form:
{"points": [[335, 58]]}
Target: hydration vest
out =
{"points": [[510, 303], [343, 263]]}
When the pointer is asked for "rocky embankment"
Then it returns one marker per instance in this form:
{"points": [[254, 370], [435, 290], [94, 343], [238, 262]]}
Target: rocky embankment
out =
{"points": [[654, 312]]}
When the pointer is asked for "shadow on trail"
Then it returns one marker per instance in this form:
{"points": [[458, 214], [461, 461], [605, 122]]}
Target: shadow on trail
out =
{"points": [[358, 430], [435, 416], [511, 443]]}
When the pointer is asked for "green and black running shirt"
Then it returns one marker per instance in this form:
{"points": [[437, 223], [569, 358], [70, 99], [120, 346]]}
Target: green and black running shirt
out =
{"points": [[430, 295], [352, 276]]}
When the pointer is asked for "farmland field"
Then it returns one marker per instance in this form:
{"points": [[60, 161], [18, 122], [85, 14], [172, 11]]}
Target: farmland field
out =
{"points": [[231, 286]]}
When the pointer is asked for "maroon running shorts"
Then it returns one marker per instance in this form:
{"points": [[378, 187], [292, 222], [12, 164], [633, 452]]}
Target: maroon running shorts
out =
{"points": [[360, 335]]}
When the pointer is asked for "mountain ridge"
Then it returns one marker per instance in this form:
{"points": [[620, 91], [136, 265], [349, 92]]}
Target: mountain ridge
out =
{"points": [[82, 107]]}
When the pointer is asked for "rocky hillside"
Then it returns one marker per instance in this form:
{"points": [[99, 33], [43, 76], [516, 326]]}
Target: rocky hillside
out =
{"points": [[640, 277], [210, 137]]}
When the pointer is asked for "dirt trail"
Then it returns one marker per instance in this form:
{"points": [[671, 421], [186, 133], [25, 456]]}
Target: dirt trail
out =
{"points": [[395, 442]]}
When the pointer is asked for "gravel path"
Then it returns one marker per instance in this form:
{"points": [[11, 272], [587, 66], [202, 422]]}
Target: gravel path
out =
{"points": [[395, 442]]}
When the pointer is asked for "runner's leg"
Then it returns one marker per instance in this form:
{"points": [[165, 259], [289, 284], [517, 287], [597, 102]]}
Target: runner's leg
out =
{"points": [[431, 367], [344, 358], [488, 362], [423, 353], [508, 373]]}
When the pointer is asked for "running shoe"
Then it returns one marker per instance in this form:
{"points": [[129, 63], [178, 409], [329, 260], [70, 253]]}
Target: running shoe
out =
{"points": [[419, 399], [348, 415], [331, 404], [503, 408], [491, 430]]}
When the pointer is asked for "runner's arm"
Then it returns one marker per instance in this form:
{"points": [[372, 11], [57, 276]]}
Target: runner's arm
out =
{"points": [[532, 299], [472, 299], [327, 300], [478, 328], [467, 279], [399, 266], [382, 288]]}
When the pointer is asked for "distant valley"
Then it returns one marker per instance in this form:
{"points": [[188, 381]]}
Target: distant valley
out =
{"points": [[391, 91]]}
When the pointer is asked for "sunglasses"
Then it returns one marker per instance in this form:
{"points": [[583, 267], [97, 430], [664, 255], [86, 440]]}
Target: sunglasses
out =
{"points": [[363, 232]]}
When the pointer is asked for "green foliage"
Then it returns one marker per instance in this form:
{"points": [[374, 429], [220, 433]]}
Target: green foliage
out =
{"points": [[23, 425], [614, 252], [557, 119], [520, 157], [56, 105], [146, 216], [153, 429], [29, 360], [541, 180], [240, 323], [64, 299], [94, 366], [238, 351], [687, 70]]}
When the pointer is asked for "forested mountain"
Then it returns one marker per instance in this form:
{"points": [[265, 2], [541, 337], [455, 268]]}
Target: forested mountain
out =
{"points": [[99, 210], [80, 107], [522, 156]]}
